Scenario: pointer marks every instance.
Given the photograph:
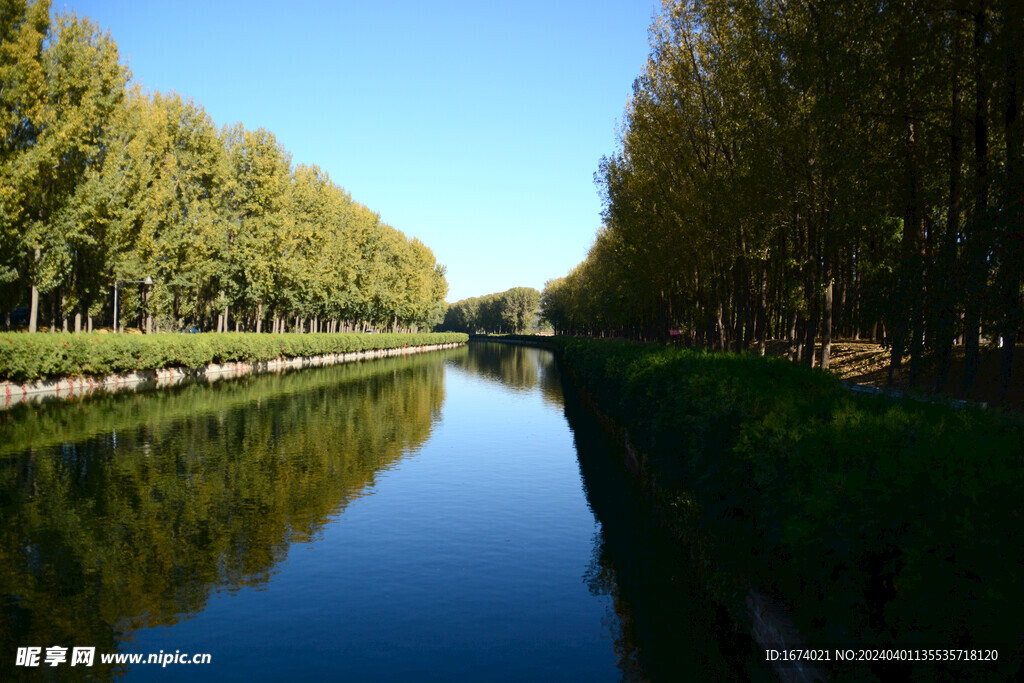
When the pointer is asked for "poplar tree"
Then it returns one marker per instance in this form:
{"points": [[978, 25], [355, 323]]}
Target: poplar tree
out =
{"points": [[801, 170], [61, 135], [23, 29], [103, 185]]}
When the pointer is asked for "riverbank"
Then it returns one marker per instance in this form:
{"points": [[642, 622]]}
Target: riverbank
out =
{"points": [[66, 365], [874, 523]]}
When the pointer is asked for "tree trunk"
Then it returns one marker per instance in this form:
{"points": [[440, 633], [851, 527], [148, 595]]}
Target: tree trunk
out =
{"points": [[720, 327], [828, 250], [908, 332], [826, 325], [945, 318], [739, 301], [976, 241], [794, 346], [811, 322], [810, 335], [762, 310], [1013, 238], [33, 319], [913, 240], [840, 314]]}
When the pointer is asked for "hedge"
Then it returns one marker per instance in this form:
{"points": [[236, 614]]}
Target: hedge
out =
{"points": [[28, 357]]}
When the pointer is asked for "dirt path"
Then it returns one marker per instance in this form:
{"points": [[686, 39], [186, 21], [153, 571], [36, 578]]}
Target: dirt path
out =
{"points": [[863, 362]]}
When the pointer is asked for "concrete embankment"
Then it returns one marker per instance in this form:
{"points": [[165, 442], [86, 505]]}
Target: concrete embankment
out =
{"points": [[13, 393]]}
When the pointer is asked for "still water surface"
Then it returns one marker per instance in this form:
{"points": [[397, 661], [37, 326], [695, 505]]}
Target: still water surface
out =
{"points": [[441, 516]]}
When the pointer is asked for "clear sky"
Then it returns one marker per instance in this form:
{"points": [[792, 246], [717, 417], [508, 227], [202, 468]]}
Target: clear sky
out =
{"points": [[473, 126]]}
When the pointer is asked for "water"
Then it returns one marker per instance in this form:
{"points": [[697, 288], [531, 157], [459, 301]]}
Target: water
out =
{"points": [[411, 518]]}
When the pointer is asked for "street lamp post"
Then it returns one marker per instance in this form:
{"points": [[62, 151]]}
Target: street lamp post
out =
{"points": [[147, 281]]}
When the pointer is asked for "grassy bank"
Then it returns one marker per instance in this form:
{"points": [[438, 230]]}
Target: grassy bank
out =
{"points": [[877, 523], [29, 357]]}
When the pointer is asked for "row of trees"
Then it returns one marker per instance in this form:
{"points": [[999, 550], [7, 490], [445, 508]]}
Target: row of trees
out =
{"points": [[102, 182], [514, 310], [803, 169]]}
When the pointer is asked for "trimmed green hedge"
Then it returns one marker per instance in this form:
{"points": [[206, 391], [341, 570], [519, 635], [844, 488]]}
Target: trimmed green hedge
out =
{"points": [[889, 523], [28, 357]]}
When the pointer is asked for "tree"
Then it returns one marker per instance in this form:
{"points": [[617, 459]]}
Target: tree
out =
{"points": [[60, 136], [23, 30], [101, 183], [265, 246], [799, 169]]}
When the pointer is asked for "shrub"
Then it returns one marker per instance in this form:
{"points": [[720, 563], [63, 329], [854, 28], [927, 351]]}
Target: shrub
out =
{"points": [[30, 357]]}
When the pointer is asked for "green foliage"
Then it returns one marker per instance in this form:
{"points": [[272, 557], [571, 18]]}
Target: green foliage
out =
{"points": [[23, 28], [514, 310], [66, 84], [101, 182], [29, 357], [798, 170], [882, 522]]}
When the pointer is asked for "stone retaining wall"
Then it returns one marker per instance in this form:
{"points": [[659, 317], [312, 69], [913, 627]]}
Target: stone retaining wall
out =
{"points": [[12, 393]]}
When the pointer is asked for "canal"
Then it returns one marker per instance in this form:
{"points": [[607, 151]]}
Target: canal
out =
{"points": [[452, 515]]}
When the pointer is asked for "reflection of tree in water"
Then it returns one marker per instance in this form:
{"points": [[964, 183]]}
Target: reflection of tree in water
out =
{"points": [[513, 365], [666, 627], [151, 502]]}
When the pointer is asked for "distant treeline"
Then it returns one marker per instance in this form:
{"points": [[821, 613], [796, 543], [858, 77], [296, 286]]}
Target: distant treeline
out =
{"points": [[514, 310], [803, 170], [102, 182]]}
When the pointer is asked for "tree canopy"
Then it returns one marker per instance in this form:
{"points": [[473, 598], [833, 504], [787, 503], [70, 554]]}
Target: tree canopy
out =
{"points": [[103, 183], [803, 169]]}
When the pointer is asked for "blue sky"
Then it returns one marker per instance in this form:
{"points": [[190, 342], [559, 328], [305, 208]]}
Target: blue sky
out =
{"points": [[474, 126]]}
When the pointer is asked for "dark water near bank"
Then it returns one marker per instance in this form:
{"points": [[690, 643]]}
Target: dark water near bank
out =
{"points": [[411, 518]]}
